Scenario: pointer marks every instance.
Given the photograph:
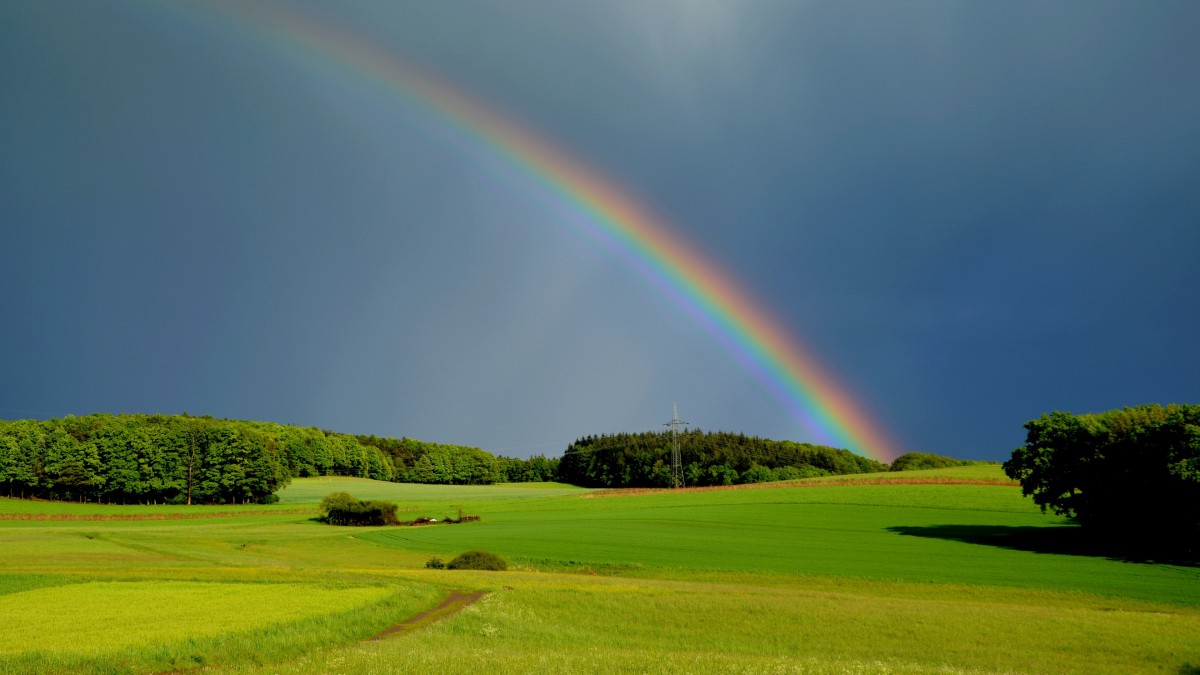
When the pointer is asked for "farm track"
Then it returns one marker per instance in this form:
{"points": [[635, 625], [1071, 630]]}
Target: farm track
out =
{"points": [[631, 492], [152, 516], [453, 604]]}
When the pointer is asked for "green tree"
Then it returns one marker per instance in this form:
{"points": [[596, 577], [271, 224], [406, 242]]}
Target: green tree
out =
{"points": [[9, 455], [757, 473], [423, 470], [722, 474], [1131, 474]]}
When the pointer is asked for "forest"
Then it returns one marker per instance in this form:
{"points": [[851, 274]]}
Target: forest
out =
{"points": [[708, 458], [181, 459]]}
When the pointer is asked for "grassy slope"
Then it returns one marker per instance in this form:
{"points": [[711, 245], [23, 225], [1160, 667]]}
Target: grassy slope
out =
{"points": [[876, 532], [974, 472], [829, 579], [213, 608], [558, 623], [312, 490]]}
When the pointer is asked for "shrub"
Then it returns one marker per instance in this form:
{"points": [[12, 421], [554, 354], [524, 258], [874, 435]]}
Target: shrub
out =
{"points": [[478, 560], [341, 508], [435, 564], [337, 501]]}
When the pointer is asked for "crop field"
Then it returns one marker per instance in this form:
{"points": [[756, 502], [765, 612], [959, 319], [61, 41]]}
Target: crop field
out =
{"points": [[926, 576]]}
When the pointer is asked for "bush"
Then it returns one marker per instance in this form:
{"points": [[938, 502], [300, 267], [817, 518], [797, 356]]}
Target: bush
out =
{"points": [[337, 501], [478, 560], [341, 508], [435, 564]]}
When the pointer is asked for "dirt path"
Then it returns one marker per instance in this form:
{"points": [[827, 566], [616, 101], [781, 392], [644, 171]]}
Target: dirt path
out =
{"points": [[452, 605]]}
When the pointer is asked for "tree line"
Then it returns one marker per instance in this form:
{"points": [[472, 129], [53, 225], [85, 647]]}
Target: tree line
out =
{"points": [[140, 459], [915, 461], [182, 459], [416, 461], [707, 458]]}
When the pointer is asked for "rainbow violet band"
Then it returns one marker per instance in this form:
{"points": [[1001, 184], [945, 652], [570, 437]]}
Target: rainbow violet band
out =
{"points": [[818, 402]]}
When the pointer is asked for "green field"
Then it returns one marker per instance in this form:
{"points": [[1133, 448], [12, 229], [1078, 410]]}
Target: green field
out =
{"points": [[812, 577]]}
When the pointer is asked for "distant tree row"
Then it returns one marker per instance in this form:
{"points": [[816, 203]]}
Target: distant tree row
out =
{"points": [[1131, 475], [181, 459], [416, 461], [140, 459], [912, 461], [720, 458]]}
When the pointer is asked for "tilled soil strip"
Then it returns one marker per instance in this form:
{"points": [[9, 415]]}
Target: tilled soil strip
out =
{"points": [[152, 516], [452, 605]]}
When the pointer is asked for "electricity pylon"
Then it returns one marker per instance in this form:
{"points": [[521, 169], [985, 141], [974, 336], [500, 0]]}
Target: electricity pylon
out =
{"points": [[676, 462]]}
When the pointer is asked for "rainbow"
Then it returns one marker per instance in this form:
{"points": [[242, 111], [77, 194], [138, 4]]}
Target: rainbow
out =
{"points": [[648, 241]]}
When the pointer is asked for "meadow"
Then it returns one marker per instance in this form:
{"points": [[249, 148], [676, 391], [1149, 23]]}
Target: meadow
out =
{"points": [[814, 576]]}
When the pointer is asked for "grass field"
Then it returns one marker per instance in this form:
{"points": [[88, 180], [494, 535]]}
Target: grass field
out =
{"points": [[66, 616], [819, 577]]}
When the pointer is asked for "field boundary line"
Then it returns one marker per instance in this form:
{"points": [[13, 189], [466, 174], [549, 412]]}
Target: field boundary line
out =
{"points": [[151, 516], [631, 492]]}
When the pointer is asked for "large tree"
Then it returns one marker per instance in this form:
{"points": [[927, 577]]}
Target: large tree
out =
{"points": [[1131, 474]]}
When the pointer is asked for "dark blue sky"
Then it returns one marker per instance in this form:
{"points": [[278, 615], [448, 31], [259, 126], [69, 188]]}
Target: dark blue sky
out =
{"points": [[972, 212]]}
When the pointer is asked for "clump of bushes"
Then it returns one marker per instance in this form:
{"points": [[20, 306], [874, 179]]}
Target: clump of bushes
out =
{"points": [[477, 560], [435, 563], [341, 508]]}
